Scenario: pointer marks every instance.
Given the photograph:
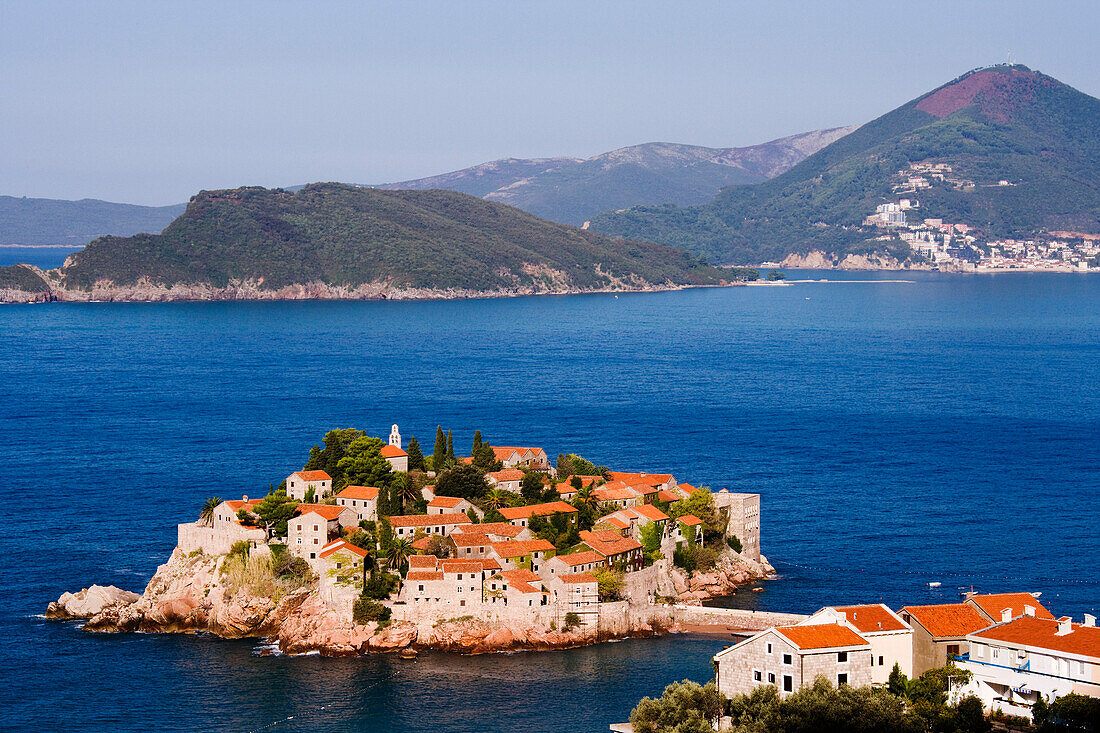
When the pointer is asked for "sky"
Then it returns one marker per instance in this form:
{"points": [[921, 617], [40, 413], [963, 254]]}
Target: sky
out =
{"points": [[149, 102]]}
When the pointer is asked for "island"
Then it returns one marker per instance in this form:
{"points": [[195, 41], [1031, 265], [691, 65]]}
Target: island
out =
{"points": [[373, 546]]}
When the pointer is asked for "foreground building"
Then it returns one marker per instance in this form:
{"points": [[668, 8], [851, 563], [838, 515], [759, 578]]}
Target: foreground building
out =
{"points": [[891, 639], [940, 632]]}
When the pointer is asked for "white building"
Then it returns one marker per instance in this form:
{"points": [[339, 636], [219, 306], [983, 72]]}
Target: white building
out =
{"points": [[299, 483], [890, 637], [363, 500]]}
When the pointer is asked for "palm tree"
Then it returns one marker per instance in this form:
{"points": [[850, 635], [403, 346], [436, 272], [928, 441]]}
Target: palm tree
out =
{"points": [[398, 554], [407, 492], [206, 516], [584, 497], [496, 498]]}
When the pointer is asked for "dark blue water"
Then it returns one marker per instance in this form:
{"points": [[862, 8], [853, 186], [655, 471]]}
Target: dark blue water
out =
{"points": [[45, 257], [899, 433]]}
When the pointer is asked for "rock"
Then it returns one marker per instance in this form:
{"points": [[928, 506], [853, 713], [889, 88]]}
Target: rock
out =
{"points": [[89, 602], [398, 635]]}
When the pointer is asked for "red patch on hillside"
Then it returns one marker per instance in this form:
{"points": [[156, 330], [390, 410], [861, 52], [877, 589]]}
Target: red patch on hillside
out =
{"points": [[996, 93]]}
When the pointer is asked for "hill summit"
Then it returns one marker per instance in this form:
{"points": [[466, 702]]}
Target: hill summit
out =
{"points": [[1014, 153]]}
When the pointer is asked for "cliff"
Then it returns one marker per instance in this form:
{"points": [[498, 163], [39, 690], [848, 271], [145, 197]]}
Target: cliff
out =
{"points": [[193, 593]]}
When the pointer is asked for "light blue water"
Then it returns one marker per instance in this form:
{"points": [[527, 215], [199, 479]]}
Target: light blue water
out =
{"points": [[899, 433]]}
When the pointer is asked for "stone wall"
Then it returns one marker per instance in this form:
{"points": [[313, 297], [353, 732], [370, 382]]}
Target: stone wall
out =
{"points": [[733, 618], [216, 540]]}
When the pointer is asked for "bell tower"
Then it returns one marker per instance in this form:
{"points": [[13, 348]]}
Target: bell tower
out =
{"points": [[395, 437]]}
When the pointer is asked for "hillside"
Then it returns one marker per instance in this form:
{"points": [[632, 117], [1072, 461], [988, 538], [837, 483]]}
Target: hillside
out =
{"points": [[347, 237], [572, 191], [1005, 123], [54, 221]]}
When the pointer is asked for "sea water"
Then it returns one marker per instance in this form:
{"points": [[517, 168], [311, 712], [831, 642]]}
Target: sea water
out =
{"points": [[944, 430]]}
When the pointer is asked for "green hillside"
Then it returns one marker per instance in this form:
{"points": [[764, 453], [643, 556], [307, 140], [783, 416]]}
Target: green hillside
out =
{"points": [[54, 221], [344, 235], [1004, 123]]}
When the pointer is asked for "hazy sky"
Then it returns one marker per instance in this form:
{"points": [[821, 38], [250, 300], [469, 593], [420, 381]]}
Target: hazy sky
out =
{"points": [[150, 101]]}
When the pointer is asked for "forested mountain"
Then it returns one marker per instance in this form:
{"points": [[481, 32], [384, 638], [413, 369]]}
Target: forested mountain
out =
{"points": [[1022, 148], [573, 190], [346, 236], [54, 221]]}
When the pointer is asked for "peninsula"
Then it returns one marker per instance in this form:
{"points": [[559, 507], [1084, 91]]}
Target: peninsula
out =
{"points": [[373, 546], [338, 241]]}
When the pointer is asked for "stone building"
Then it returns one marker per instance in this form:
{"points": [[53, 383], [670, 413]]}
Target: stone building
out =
{"points": [[363, 500], [315, 526], [939, 632], [743, 513], [890, 637], [407, 526], [792, 657], [299, 483]]}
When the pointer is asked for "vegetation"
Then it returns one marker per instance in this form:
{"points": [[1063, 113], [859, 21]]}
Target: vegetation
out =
{"points": [[380, 585], [328, 459], [274, 511], [651, 542], [269, 576], [1020, 125], [346, 235], [363, 464], [573, 465], [463, 481], [439, 455], [206, 514], [701, 504], [776, 275], [572, 620], [734, 543], [610, 584], [1071, 712], [18, 277], [416, 456], [365, 611], [685, 707], [695, 558], [398, 552]]}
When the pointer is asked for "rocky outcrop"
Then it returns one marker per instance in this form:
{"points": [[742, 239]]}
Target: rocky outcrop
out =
{"points": [[728, 574], [89, 602], [475, 636], [818, 260]]}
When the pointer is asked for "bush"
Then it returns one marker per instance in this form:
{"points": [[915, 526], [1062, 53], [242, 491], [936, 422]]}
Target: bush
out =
{"points": [[685, 707], [285, 565], [572, 619], [380, 585], [695, 558], [734, 543], [239, 549], [364, 611], [610, 584]]}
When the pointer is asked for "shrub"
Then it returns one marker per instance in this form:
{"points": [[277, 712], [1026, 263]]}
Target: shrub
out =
{"points": [[380, 585], [610, 584], [685, 706], [735, 543], [572, 620], [365, 610], [290, 567], [239, 549]]}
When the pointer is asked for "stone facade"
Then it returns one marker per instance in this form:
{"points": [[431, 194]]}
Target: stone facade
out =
{"points": [[743, 511], [299, 483]]}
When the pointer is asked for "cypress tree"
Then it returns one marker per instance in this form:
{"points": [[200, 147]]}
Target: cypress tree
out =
{"points": [[416, 456], [450, 447], [439, 455], [477, 443]]}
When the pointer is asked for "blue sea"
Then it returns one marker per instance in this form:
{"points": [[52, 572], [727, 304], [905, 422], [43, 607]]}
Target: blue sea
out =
{"points": [[943, 430]]}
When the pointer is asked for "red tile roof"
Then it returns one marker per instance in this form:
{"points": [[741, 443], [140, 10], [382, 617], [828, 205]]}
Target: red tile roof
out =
{"points": [[392, 451], [446, 501], [236, 504], [469, 539], [328, 511], [581, 558], [523, 581], [505, 529], [428, 520], [369, 493], [609, 543], [615, 493], [822, 636], [577, 578], [994, 603], [424, 543], [508, 474], [650, 512], [521, 548], [948, 620], [424, 575], [1043, 633], [691, 520], [614, 521], [650, 479], [542, 510], [312, 475], [664, 495], [461, 566], [871, 618], [420, 562], [341, 546], [687, 488]]}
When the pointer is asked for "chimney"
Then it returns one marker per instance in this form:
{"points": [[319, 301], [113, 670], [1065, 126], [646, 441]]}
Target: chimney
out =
{"points": [[1090, 620], [1065, 626], [1029, 610], [1006, 614], [246, 498]]}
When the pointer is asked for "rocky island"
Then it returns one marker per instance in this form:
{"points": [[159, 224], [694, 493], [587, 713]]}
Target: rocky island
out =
{"points": [[496, 551]]}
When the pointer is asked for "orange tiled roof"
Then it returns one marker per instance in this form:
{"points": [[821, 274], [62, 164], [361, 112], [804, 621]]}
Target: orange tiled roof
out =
{"points": [[581, 558], [690, 520], [508, 474], [871, 618], [424, 543], [1043, 633], [577, 578], [313, 475], [421, 562], [461, 566], [520, 548], [650, 479], [341, 545], [542, 510], [821, 636], [609, 542], [650, 512], [948, 620], [615, 493], [446, 501], [469, 539], [424, 575], [369, 493], [392, 451], [687, 488], [328, 511], [428, 520], [522, 580], [615, 521], [505, 529], [994, 603], [236, 504]]}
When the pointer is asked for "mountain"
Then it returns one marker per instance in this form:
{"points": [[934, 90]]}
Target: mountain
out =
{"points": [[54, 221], [336, 240], [1000, 124], [572, 190]]}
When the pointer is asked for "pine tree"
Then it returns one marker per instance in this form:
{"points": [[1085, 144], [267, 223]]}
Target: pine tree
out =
{"points": [[439, 455], [416, 456], [450, 447], [477, 443]]}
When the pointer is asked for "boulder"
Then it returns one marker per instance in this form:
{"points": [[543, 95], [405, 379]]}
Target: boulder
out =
{"points": [[89, 602]]}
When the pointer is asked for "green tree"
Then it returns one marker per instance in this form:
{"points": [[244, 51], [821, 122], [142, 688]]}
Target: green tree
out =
{"points": [[775, 275], [206, 514], [651, 541], [897, 684], [328, 459], [439, 455], [1072, 712], [477, 443], [416, 456], [407, 492], [398, 554], [496, 498], [463, 481], [450, 448], [274, 511], [969, 716], [701, 503], [530, 488], [610, 584], [585, 497], [363, 464], [485, 460], [685, 707], [493, 516]]}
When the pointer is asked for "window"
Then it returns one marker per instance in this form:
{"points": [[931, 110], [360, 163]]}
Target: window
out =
{"points": [[771, 678], [460, 589], [953, 649], [460, 576], [769, 647], [757, 675], [841, 679], [420, 588], [788, 683], [842, 657], [787, 660], [880, 660], [462, 602], [313, 556]]}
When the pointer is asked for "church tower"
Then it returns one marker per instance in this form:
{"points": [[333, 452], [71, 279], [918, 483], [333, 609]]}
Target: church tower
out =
{"points": [[395, 437]]}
